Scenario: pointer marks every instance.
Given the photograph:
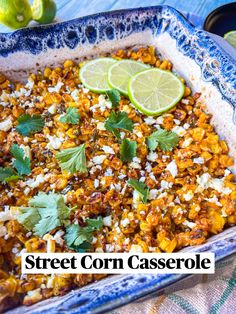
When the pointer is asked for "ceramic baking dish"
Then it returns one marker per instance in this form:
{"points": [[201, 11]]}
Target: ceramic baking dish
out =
{"points": [[206, 61]]}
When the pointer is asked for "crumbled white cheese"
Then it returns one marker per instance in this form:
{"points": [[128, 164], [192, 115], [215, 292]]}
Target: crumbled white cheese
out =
{"points": [[54, 142], [96, 183], [198, 160], [179, 130], [165, 184], [107, 221], [121, 176], [98, 160], [101, 126], [6, 125], [187, 142], [108, 172], [85, 90], [185, 101], [56, 88], [26, 150], [177, 122], [75, 95], [153, 193], [6, 214], [122, 135], [125, 222], [160, 120], [186, 126], [102, 104], [58, 237], [108, 149], [35, 182], [151, 176], [205, 181], [172, 168], [148, 167], [152, 156], [188, 196], [223, 213], [135, 163], [52, 109], [150, 120], [227, 172], [3, 230], [189, 224], [214, 200], [109, 248], [142, 179], [136, 199], [135, 248]]}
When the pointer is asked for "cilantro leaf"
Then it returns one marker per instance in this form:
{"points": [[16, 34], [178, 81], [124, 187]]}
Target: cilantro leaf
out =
{"points": [[73, 159], [167, 140], [29, 124], [141, 188], [79, 238], [21, 162], [128, 150], [45, 212], [114, 97], [71, 116], [7, 174], [118, 120]]}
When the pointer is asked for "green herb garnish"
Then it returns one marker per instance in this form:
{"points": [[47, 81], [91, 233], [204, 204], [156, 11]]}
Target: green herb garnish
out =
{"points": [[29, 124], [71, 116], [141, 188], [79, 238], [45, 212], [167, 140], [21, 162], [128, 150], [117, 121], [73, 159], [114, 97]]}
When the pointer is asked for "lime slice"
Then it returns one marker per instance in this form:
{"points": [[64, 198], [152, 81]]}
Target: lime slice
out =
{"points": [[15, 14], [120, 73], [231, 38], [44, 11], [93, 74], [155, 91]]}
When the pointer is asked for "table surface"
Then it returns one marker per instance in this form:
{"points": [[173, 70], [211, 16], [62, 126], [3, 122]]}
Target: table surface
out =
{"points": [[195, 10]]}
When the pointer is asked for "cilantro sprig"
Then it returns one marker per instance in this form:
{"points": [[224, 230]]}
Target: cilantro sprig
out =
{"points": [[45, 212], [8, 174], [128, 150], [21, 162], [117, 121], [73, 159], [141, 188], [114, 97], [29, 124], [166, 140], [71, 116], [79, 238]]}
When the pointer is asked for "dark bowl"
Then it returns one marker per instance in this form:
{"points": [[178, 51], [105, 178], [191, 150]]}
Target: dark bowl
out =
{"points": [[221, 20]]}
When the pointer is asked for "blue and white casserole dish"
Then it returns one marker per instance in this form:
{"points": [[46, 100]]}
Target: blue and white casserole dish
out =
{"points": [[206, 62]]}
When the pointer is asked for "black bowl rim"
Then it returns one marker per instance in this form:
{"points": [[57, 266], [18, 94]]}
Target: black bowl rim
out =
{"points": [[214, 12]]}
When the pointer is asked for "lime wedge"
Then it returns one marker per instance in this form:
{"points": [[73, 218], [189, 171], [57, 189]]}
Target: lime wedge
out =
{"points": [[120, 73], [155, 91], [15, 14], [44, 11], [93, 74], [231, 38]]}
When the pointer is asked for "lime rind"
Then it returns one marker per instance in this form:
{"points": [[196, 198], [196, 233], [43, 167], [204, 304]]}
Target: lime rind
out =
{"points": [[231, 37], [93, 74], [44, 11], [120, 73], [161, 109]]}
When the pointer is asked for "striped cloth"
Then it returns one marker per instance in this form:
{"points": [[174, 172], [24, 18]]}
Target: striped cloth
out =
{"points": [[199, 294]]}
